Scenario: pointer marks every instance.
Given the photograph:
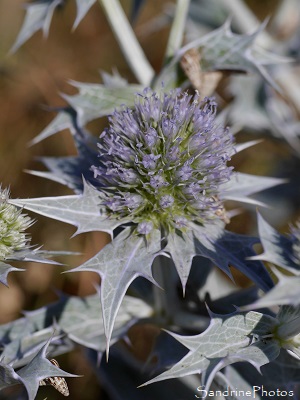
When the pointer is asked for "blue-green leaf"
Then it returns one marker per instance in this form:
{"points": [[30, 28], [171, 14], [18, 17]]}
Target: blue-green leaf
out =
{"points": [[82, 211], [286, 291], [5, 269], [221, 247], [38, 16], [277, 248], [242, 185], [39, 368], [83, 7], [97, 100], [227, 340], [118, 264]]}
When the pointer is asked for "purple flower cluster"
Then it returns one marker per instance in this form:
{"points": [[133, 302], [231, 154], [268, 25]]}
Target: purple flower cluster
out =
{"points": [[163, 161]]}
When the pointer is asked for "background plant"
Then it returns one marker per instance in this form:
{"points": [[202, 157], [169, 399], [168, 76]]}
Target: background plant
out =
{"points": [[185, 315]]}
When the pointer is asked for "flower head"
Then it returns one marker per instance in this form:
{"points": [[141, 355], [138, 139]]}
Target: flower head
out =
{"points": [[12, 226], [162, 162]]}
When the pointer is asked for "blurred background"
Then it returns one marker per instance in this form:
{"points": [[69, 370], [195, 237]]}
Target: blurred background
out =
{"points": [[31, 81]]}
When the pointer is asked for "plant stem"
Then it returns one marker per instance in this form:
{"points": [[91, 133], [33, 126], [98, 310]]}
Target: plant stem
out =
{"points": [[177, 29], [166, 302], [128, 42]]}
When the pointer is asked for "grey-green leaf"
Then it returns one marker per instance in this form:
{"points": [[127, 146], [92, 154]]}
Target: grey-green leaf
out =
{"points": [[5, 269], [8, 377], [278, 249], [38, 16], [38, 369], [83, 7], [118, 264], [227, 340], [82, 211], [286, 292], [242, 185], [74, 319], [97, 100]]}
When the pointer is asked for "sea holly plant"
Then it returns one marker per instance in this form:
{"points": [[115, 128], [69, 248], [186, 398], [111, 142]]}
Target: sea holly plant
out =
{"points": [[158, 180], [163, 170]]}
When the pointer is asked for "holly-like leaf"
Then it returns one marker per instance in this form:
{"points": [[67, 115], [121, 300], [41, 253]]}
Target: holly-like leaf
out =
{"points": [[224, 50], [64, 120], [286, 291], [8, 377], [83, 7], [93, 101], [277, 248], [118, 264], [222, 247], [82, 211], [97, 100], [240, 186], [70, 170], [40, 368], [5, 269], [27, 254], [227, 340], [38, 16], [75, 320]]}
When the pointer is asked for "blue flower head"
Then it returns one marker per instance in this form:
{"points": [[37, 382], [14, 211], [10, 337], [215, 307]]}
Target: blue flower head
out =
{"points": [[163, 161]]}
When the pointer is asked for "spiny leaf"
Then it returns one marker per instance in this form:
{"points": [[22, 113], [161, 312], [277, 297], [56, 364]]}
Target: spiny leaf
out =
{"points": [[5, 269], [82, 211], [83, 7], [63, 120], [242, 185], [118, 264], [8, 377], [224, 50], [93, 101], [247, 111], [70, 170], [74, 319], [277, 248], [38, 369], [227, 340], [38, 16], [221, 247], [286, 291], [27, 254], [96, 100]]}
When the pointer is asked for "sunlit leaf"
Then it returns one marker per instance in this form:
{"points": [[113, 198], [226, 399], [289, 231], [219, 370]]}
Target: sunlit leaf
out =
{"points": [[227, 340]]}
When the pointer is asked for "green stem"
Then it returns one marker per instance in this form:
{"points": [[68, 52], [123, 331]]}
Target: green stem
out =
{"points": [[166, 302], [128, 42], [177, 29]]}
